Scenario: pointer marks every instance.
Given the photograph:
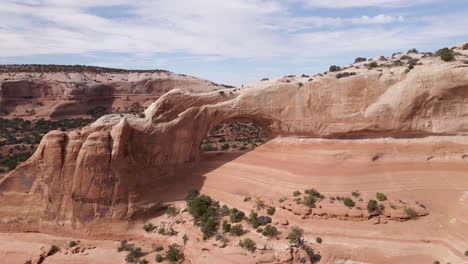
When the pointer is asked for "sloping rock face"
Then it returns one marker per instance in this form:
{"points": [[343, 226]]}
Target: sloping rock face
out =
{"points": [[69, 91], [114, 169]]}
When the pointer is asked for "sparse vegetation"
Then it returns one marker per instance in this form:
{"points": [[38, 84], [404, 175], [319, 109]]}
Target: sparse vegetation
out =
{"points": [[344, 74], [271, 210], [149, 227], [237, 230], [410, 212], [247, 244], [446, 54], [270, 231], [185, 238], [349, 202], [373, 64], [205, 212], [226, 226], [381, 197], [172, 211], [295, 234], [296, 193], [236, 215], [334, 68], [372, 206], [318, 240], [359, 59], [309, 200], [159, 258], [72, 244], [174, 254]]}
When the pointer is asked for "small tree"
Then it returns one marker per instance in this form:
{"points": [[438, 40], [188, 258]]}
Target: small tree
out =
{"points": [[270, 231], [226, 226], [349, 202], [334, 68], [237, 230], [236, 215], [271, 210], [295, 234], [372, 206], [159, 258], [174, 254], [247, 244], [446, 54]]}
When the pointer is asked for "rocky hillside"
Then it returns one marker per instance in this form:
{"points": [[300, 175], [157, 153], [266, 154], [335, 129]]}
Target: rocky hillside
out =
{"points": [[110, 169], [59, 92]]}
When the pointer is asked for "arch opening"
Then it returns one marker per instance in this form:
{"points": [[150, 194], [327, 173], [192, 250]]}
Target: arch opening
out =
{"points": [[235, 135]]}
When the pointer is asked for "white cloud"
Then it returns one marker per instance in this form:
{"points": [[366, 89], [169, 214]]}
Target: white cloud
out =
{"points": [[214, 29], [363, 3]]}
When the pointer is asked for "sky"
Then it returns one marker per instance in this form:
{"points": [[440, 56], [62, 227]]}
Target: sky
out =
{"points": [[226, 41]]}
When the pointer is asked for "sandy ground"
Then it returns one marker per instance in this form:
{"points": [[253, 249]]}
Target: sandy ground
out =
{"points": [[430, 170]]}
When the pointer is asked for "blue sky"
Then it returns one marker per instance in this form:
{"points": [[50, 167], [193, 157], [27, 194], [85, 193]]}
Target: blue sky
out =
{"points": [[231, 42]]}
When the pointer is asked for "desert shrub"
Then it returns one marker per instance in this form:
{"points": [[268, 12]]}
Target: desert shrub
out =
{"points": [[259, 230], [247, 244], [372, 206], [334, 68], [192, 194], [171, 232], [205, 212], [143, 261], [380, 196], [314, 258], [305, 76], [271, 210], [313, 192], [410, 213], [162, 231], [263, 220], [174, 254], [465, 46], [296, 193], [318, 240], [172, 211], [309, 200], [72, 244], [133, 255], [252, 219], [260, 204], [466, 252], [149, 227], [446, 54], [436, 262], [373, 64], [225, 146], [270, 231], [300, 84], [159, 258], [413, 51], [236, 230], [349, 202], [280, 200], [224, 211], [226, 226], [265, 79], [356, 194], [295, 234], [236, 215], [344, 74], [359, 59], [124, 246]]}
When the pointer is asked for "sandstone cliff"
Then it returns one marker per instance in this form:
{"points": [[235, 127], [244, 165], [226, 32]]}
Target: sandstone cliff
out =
{"points": [[52, 91], [115, 168]]}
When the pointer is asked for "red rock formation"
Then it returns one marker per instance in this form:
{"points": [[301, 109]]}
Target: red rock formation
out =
{"points": [[114, 168]]}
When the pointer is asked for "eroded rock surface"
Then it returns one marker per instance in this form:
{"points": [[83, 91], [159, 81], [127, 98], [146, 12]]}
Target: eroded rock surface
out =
{"points": [[114, 168]]}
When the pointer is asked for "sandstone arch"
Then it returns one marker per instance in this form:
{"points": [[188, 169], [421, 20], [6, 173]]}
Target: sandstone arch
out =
{"points": [[111, 169]]}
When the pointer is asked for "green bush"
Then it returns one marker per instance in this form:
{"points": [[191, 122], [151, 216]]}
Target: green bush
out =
{"points": [[270, 231], [380, 196], [446, 54], [271, 210], [236, 215], [226, 226], [296, 193], [247, 244], [133, 254], [252, 219], [225, 211], [174, 254], [349, 202], [159, 258], [373, 64], [334, 68], [410, 213], [205, 212], [149, 227], [372, 206], [172, 211], [236, 230], [309, 200], [295, 234], [72, 244], [314, 193], [263, 220]]}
